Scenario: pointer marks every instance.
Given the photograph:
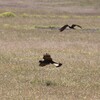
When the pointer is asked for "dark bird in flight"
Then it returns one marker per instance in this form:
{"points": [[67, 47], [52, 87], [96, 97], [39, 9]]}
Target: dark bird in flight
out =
{"points": [[71, 27], [48, 60]]}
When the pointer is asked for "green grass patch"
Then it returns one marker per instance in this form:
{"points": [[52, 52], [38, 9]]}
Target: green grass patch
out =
{"points": [[46, 27], [7, 14], [26, 27], [25, 15]]}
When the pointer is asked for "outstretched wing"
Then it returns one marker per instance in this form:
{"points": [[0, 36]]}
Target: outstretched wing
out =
{"points": [[63, 28], [47, 60], [47, 57], [73, 25]]}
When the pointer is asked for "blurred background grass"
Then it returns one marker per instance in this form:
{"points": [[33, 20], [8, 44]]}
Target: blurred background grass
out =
{"points": [[23, 41]]}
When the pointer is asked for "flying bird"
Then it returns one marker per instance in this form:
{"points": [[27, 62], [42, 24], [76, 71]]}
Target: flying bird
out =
{"points": [[71, 27], [48, 60]]}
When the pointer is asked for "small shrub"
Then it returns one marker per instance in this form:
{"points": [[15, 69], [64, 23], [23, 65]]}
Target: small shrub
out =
{"points": [[7, 14], [43, 82], [49, 83], [25, 15]]}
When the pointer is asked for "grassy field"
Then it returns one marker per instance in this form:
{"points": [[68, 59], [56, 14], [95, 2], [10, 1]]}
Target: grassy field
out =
{"points": [[27, 35]]}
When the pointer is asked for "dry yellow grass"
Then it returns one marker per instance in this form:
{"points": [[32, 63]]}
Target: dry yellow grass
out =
{"points": [[21, 49], [22, 45]]}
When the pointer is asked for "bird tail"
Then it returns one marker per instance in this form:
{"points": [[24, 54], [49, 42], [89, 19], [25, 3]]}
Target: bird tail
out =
{"points": [[56, 64]]}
